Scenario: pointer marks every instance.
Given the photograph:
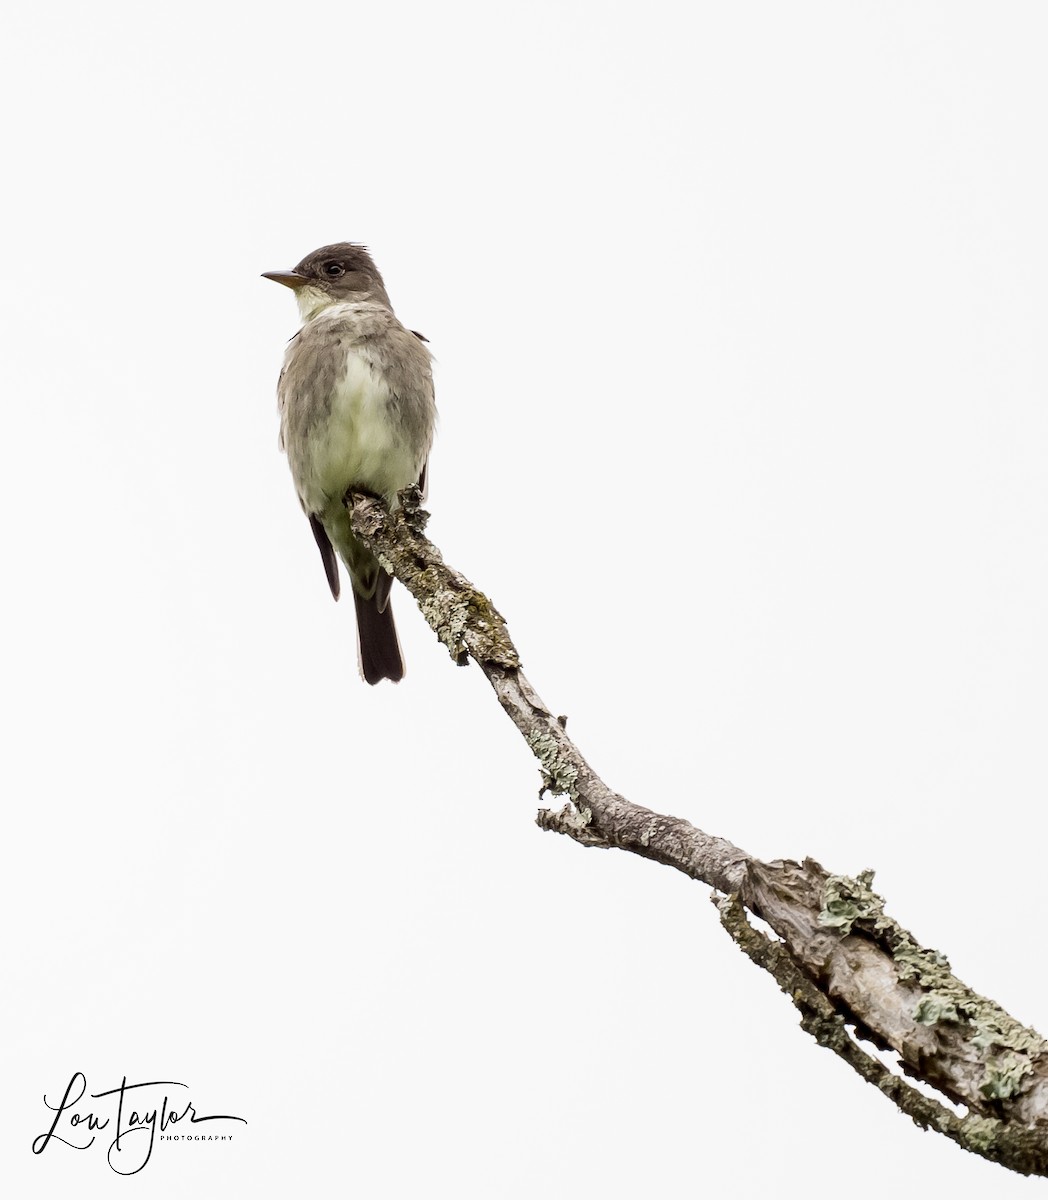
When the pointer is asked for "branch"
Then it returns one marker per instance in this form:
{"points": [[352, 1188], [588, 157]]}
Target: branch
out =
{"points": [[852, 971]]}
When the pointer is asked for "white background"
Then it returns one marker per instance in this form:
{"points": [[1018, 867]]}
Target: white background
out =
{"points": [[739, 312]]}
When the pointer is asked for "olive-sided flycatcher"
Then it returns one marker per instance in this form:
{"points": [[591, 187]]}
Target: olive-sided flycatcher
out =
{"points": [[356, 412]]}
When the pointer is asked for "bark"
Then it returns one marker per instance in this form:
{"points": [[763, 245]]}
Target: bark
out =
{"points": [[854, 973]]}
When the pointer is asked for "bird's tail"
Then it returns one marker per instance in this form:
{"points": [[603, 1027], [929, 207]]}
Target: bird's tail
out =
{"points": [[380, 656]]}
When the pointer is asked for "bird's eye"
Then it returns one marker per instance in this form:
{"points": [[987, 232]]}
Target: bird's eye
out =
{"points": [[334, 269]]}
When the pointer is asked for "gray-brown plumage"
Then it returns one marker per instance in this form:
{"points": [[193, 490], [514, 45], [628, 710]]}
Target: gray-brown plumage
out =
{"points": [[356, 412]]}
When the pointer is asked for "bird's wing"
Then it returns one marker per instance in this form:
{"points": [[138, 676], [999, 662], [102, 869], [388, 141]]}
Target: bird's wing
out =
{"points": [[327, 553], [282, 395]]}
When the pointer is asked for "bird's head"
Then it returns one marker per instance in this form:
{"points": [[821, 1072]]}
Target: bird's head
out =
{"points": [[336, 274]]}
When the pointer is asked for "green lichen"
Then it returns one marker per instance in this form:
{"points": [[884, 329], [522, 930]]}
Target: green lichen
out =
{"points": [[448, 622], [933, 1009], [992, 1031], [558, 773], [494, 642], [577, 819], [980, 1133], [846, 900], [1003, 1077], [850, 903]]}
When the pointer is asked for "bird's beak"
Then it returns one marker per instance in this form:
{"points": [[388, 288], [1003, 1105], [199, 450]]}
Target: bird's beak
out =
{"points": [[291, 279]]}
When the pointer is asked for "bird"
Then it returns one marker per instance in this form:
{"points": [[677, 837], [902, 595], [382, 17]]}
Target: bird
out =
{"points": [[357, 412]]}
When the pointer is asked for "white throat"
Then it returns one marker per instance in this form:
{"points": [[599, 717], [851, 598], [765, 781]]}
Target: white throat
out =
{"points": [[311, 300]]}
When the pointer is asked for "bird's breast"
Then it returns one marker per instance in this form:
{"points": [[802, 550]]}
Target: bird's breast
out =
{"points": [[344, 432]]}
